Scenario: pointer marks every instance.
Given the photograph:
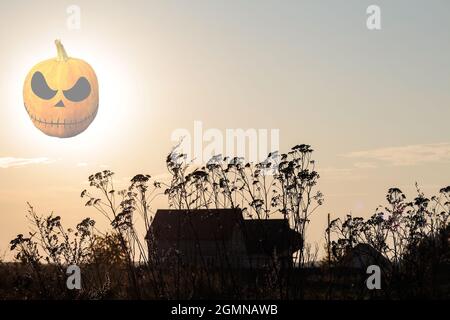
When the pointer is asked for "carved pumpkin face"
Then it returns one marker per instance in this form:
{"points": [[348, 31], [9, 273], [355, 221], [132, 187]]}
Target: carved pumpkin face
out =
{"points": [[61, 95]]}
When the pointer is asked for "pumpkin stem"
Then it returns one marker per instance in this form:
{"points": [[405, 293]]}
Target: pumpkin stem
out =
{"points": [[62, 55]]}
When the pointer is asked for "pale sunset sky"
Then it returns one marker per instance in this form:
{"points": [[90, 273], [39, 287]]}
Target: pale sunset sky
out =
{"points": [[374, 105]]}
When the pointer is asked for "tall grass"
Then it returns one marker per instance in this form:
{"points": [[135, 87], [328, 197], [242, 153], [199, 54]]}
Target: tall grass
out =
{"points": [[121, 264]]}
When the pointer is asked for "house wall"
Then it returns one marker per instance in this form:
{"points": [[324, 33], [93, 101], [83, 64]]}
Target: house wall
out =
{"points": [[228, 253], [220, 254]]}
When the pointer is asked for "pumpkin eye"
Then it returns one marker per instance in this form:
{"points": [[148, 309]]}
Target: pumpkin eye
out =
{"points": [[79, 91], [40, 87]]}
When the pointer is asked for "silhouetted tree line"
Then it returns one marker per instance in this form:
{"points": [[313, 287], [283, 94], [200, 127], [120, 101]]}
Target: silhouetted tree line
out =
{"points": [[412, 239], [411, 236]]}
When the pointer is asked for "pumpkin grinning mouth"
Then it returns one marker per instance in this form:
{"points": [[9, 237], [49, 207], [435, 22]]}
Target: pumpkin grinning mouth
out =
{"points": [[59, 123]]}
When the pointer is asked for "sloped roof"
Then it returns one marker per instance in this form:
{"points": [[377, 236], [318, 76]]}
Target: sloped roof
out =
{"points": [[201, 224], [363, 255], [263, 236]]}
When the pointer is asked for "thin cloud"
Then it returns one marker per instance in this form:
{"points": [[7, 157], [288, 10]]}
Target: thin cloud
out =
{"points": [[365, 165], [82, 164], [340, 174], [406, 155], [11, 162]]}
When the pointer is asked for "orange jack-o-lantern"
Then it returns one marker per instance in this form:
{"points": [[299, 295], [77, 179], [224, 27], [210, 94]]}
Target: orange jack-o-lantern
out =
{"points": [[61, 95]]}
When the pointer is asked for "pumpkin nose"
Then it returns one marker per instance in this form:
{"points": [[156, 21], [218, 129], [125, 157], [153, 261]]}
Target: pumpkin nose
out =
{"points": [[60, 104]]}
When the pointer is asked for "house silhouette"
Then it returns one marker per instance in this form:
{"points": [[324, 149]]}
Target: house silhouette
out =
{"points": [[362, 256], [220, 238]]}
